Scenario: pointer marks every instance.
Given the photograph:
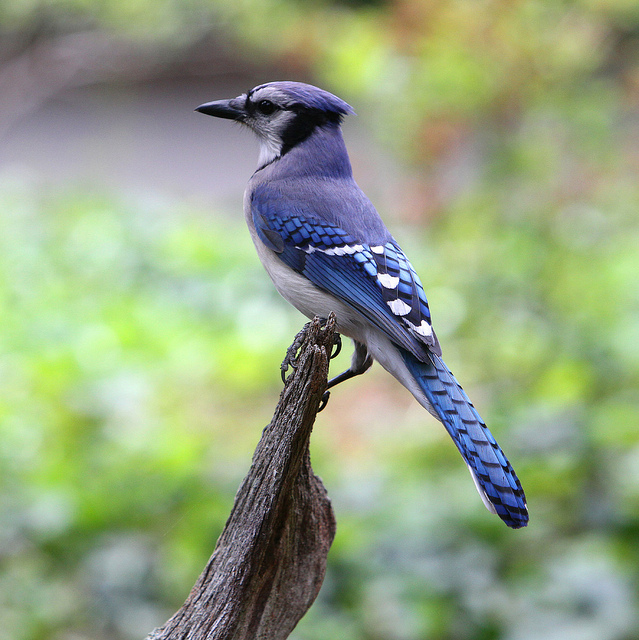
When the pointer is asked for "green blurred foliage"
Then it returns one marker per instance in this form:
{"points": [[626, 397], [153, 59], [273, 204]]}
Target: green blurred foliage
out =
{"points": [[139, 353]]}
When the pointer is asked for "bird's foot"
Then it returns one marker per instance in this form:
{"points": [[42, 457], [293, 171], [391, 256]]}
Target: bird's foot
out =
{"points": [[290, 359]]}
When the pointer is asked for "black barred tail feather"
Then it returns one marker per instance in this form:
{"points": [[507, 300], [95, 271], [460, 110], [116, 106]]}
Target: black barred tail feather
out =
{"points": [[493, 475]]}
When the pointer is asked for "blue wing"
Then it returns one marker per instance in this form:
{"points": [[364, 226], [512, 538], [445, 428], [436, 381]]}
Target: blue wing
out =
{"points": [[378, 281]]}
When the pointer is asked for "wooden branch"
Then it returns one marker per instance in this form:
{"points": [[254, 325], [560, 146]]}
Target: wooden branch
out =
{"points": [[269, 562]]}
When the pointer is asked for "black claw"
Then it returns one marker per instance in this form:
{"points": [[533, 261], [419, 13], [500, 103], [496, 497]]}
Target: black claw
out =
{"points": [[337, 343], [324, 401]]}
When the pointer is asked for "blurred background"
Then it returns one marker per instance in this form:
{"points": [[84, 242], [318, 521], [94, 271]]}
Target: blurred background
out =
{"points": [[140, 339]]}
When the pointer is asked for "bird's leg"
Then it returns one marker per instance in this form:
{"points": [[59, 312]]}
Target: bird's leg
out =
{"points": [[360, 363]]}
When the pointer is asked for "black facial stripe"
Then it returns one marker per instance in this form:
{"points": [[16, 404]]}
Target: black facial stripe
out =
{"points": [[303, 125], [299, 128]]}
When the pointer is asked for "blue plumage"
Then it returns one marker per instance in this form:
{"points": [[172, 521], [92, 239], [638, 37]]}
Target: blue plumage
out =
{"points": [[343, 266], [327, 250], [488, 464]]}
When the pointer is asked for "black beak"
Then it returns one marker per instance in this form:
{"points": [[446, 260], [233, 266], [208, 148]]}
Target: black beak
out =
{"points": [[229, 109]]}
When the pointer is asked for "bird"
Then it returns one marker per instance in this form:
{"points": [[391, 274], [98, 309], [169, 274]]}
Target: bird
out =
{"points": [[326, 249]]}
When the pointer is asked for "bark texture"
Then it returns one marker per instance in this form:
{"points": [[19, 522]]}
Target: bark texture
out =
{"points": [[269, 562]]}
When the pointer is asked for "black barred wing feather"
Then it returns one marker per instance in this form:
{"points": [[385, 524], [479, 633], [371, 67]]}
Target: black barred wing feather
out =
{"points": [[377, 280], [403, 292]]}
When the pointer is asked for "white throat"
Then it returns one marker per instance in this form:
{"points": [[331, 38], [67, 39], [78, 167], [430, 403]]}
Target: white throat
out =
{"points": [[270, 149], [270, 134]]}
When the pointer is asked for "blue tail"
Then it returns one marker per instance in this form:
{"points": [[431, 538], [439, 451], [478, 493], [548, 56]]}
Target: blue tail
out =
{"points": [[494, 477]]}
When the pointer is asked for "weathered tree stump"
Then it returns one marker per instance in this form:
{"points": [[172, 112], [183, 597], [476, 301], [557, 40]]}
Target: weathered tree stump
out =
{"points": [[270, 560]]}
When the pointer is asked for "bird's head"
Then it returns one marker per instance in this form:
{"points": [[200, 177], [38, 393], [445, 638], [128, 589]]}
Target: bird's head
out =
{"points": [[282, 114]]}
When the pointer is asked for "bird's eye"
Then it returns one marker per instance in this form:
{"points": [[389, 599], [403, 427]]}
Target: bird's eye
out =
{"points": [[266, 107]]}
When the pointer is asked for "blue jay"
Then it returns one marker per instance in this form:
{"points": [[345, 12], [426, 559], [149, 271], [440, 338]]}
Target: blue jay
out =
{"points": [[327, 250]]}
